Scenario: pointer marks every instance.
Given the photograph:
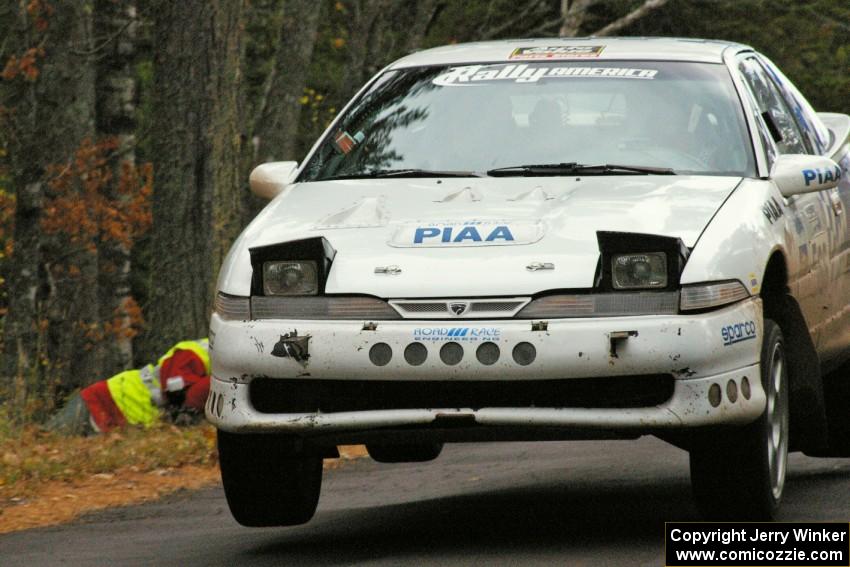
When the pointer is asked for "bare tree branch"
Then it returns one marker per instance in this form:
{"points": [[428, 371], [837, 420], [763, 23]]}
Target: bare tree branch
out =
{"points": [[631, 17], [530, 8], [573, 13], [545, 27]]}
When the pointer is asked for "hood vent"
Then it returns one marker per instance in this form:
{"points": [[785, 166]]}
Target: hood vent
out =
{"points": [[535, 195], [465, 195], [368, 212]]}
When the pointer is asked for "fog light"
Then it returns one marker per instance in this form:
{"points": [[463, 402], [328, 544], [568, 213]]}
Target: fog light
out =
{"points": [[488, 353], [451, 353], [380, 354], [415, 354], [732, 391], [745, 388], [714, 395], [524, 354]]}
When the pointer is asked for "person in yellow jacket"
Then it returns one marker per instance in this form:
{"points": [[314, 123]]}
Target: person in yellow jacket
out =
{"points": [[179, 379]]}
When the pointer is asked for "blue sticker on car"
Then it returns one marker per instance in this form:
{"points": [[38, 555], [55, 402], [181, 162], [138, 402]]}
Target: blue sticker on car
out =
{"points": [[463, 233], [822, 175], [738, 332], [457, 334]]}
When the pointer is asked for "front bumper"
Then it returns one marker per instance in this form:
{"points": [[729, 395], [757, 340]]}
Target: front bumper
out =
{"points": [[695, 349]]}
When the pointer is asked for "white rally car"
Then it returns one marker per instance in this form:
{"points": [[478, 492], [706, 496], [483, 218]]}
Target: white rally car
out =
{"points": [[544, 239]]}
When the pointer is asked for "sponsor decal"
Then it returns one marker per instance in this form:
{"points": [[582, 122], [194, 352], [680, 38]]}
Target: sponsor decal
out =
{"points": [[754, 282], [557, 52], [822, 175], [738, 332], [460, 334], [772, 210], [469, 75], [426, 234], [345, 142]]}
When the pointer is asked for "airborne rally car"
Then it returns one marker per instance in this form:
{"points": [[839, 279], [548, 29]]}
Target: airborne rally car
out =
{"points": [[544, 239]]}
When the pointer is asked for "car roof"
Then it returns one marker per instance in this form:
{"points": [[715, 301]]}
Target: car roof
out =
{"points": [[638, 48]]}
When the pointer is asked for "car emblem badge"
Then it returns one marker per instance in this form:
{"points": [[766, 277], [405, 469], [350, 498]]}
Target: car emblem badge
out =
{"points": [[389, 270], [459, 307]]}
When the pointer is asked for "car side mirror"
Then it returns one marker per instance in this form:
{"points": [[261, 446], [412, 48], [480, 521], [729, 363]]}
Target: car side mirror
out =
{"points": [[800, 173], [267, 180]]}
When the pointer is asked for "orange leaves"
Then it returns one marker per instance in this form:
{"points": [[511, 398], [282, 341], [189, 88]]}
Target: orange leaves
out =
{"points": [[24, 66], [40, 11], [126, 321], [89, 205], [7, 214]]}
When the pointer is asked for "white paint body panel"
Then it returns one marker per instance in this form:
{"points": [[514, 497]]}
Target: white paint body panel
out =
{"points": [[569, 216], [732, 225]]}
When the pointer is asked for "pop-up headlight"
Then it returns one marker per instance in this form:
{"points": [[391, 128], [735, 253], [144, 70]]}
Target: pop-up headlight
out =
{"points": [[639, 271], [634, 261], [290, 277], [297, 268]]}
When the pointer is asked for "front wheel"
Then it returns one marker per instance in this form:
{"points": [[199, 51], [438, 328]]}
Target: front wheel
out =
{"points": [[740, 474], [267, 483]]}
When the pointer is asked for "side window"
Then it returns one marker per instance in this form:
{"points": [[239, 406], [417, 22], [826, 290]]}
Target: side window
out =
{"points": [[772, 105], [810, 125], [764, 134]]}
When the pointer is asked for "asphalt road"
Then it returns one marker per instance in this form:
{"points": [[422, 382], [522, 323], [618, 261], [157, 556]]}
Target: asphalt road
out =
{"points": [[578, 503]]}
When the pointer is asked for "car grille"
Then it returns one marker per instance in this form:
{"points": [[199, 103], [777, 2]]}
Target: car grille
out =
{"points": [[459, 308], [272, 395]]}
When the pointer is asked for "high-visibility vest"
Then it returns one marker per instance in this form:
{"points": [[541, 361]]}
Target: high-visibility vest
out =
{"points": [[200, 347], [135, 401], [137, 393]]}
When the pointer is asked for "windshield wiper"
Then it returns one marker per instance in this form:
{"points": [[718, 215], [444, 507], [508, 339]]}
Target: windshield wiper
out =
{"points": [[578, 169], [383, 173]]}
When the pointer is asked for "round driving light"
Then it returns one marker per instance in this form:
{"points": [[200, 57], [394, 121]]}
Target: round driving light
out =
{"points": [[524, 354], [714, 395], [451, 353], [732, 391], [415, 354], [487, 353], [380, 354], [745, 388]]}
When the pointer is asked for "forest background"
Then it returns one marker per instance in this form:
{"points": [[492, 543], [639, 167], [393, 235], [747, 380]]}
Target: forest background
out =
{"points": [[128, 129]]}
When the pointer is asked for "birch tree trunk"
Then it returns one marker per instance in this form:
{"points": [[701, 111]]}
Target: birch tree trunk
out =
{"points": [[116, 26]]}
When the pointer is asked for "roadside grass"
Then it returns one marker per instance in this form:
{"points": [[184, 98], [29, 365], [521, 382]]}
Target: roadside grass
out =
{"points": [[48, 479], [31, 458]]}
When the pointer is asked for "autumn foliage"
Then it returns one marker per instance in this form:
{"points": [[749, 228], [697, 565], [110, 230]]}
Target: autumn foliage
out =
{"points": [[89, 204], [25, 65]]}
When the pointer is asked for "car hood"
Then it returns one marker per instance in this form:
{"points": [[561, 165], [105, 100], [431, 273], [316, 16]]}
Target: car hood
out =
{"points": [[467, 237]]}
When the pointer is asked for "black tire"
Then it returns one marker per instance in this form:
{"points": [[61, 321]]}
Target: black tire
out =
{"points": [[740, 474], [418, 453], [267, 483]]}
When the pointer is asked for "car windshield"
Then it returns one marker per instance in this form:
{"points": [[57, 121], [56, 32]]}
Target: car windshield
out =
{"points": [[471, 119]]}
